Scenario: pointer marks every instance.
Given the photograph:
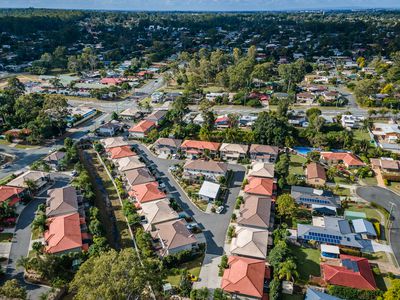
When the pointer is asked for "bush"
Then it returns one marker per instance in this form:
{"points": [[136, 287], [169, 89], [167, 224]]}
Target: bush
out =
{"points": [[234, 217], [223, 265], [352, 252], [350, 293], [376, 271], [231, 232]]}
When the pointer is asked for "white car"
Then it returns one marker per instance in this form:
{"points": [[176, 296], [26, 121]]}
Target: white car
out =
{"points": [[219, 209]]}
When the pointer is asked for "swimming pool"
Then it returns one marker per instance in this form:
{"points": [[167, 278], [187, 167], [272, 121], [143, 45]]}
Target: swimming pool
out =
{"points": [[304, 150]]}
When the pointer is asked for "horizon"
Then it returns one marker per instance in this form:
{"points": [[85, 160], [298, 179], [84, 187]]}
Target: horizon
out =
{"points": [[204, 6]]}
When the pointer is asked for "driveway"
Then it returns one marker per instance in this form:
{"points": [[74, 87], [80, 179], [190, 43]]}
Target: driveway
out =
{"points": [[214, 226], [21, 240], [388, 200]]}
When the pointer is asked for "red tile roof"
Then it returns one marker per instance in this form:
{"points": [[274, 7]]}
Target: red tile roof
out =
{"points": [[357, 274], [143, 126], [348, 158], [11, 194], [121, 152], [315, 170], [146, 192], [64, 233], [244, 276], [260, 186], [201, 145]]}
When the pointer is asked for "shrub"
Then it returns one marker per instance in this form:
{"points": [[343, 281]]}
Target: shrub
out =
{"points": [[223, 265], [231, 232], [350, 293], [234, 217]]}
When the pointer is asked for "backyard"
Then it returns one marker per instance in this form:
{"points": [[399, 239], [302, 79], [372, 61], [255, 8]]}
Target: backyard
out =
{"points": [[308, 262], [296, 164], [193, 267]]}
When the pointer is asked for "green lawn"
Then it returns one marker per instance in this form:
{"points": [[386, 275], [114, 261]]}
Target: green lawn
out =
{"points": [[193, 267], [296, 164], [5, 237], [6, 179], [371, 181], [341, 191], [371, 212], [361, 134], [308, 262], [20, 146], [4, 142], [395, 186]]}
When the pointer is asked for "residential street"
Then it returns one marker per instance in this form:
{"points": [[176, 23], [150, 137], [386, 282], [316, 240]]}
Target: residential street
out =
{"points": [[22, 238], [214, 226], [388, 200]]}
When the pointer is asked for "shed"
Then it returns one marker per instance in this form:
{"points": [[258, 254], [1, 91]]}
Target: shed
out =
{"points": [[329, 251], [209, 191], [352, 215]]}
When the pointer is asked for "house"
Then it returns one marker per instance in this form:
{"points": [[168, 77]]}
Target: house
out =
{"points": [[365, 228], [255, 212], [346, 158], [173, 237], [111, 81], [350, 121], [222, 122], [157, 116], [210, 170], [64, 234], [156, 212], [194, 149], [263, 153], [130, 114], [330, 96], [157, 97], [313, 294], [129, 163], [79, 114], [120, 152], [331, 230], [53, 159], [166, 146], [198, 120], [209, 191], [213, 96], [233, 152], [138, 176], [146, 192], [388, 133], [61, 201], [245, 277], [352, 215], [110, 128], [315, 174], [250, 242], [308, 196], [37, 178], [260, 186], [12, 195], [113, 142], [306, 99], [262, 169], [330, 251], [386, 167], [351, 271], [142, 129]]}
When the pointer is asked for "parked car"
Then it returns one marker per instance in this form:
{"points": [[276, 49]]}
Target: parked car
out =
{"points": [[220, 209]]}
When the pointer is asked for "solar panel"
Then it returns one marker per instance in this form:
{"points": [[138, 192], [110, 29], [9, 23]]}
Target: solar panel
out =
{"points": [[350, 265]]}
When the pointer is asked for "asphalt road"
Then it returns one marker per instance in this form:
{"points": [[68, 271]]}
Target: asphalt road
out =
{"points": [[214, 226], [21, 240], [385, 198]]}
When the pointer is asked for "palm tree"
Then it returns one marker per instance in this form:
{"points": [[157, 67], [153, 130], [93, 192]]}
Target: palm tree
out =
{"points": [[288, 270], [24, 262], [32, 186], [40, 222]]}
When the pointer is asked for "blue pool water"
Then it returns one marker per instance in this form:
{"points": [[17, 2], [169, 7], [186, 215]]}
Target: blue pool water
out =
{"points": [[304, 150]]}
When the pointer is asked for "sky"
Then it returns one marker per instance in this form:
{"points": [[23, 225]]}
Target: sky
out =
{"points": [[202, 5]]}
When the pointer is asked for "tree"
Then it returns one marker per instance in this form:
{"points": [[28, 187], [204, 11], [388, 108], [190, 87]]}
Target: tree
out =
{"points": [[288, 270], [200, 294], [12, 290], [274, 288], [270, 130], [286, 206], [278, 254], [114, 116], [185, 285], [219, 294], [112, 275], [393, 291]]}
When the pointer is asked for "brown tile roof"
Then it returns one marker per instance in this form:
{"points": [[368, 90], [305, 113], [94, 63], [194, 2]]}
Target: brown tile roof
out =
{"points": [[202, 165], [256, 148], [174, 234], [315, 170], [168, 142], [255, 211], [138, 176], [157, 212], [61, 201], [250, 242], [260, 169], [238, 148]]}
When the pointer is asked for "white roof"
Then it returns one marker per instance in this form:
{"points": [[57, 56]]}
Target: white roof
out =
{"points": [[330, 249], [209, 189]]}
